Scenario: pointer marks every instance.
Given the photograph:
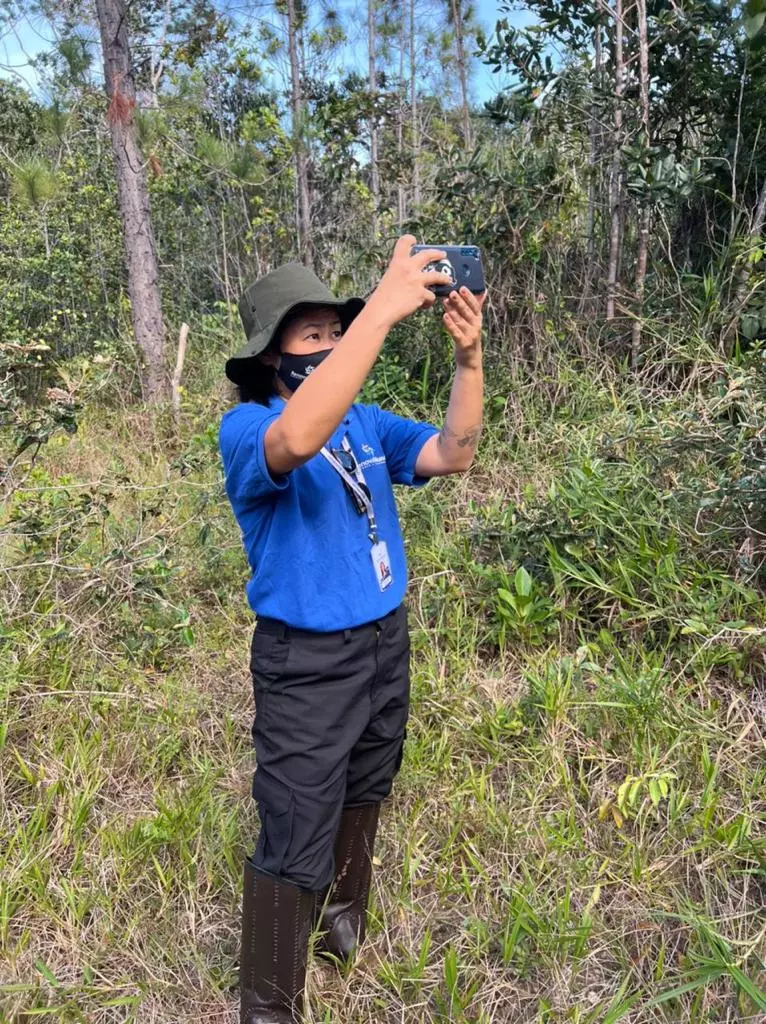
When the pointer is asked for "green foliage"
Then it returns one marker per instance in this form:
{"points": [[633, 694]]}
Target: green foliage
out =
{"points": [[524, 610], [586, 756], [33, 182], [76, 57], [574, 832]]}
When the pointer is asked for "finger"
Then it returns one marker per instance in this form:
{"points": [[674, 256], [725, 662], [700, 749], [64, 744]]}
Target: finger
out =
{"points": [[428, 299], [422, 259], [403, 246], [456, 304], [454, 328], [434, 277], [481, 299], [470, 299]]}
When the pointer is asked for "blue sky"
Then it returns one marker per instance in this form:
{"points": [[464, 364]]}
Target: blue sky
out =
{"points": [[488, 84], [30, 37]]}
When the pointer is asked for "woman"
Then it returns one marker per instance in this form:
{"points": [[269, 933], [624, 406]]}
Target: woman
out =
{"points": [[309, 475]]}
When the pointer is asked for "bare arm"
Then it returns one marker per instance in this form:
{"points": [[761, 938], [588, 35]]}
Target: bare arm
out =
{"points": [[453, 448], [321, 402]]}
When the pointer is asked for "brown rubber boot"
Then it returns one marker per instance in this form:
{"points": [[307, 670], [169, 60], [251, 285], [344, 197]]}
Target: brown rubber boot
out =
{"points": [[344, 917], [276, 924]]}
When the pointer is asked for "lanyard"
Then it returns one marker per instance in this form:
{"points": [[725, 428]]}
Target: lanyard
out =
{"points": [[354, 483]]}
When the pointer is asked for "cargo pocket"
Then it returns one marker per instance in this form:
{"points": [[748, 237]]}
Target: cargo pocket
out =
{"points": [[268, 660], [276, 810]]}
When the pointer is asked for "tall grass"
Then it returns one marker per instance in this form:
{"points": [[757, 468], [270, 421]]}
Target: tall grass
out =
{"points": [[577, 833]]}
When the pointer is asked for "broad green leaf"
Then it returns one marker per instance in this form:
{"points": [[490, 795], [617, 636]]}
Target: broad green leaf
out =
{"points": [[523, 582], [622, 792], [754, 24], [750, 324]]}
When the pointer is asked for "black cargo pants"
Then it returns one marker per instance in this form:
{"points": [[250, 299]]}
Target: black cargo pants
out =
{"points": [[330, 717]]}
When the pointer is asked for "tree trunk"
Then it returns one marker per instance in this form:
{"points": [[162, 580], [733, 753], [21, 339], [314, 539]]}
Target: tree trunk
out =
{"points": [[401, 202], [414, 113], [373, 87], [646, 210], [133, 199], [225, 259], [303, 198], [594, 178], [457, 18], [615, 183], [593, 133]]}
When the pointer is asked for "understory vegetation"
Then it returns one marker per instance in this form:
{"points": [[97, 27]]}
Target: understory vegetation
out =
{"points": [[578, 833]]}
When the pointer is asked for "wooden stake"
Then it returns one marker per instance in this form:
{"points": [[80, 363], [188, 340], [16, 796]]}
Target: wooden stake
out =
{"points": [[183, 334]]}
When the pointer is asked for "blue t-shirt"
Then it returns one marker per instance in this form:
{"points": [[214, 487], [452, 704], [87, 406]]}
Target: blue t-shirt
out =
{"points": [[308, 547]]}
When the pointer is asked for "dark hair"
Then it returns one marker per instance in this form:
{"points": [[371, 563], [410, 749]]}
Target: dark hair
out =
{"points": [[260, 385], [259, 382]]}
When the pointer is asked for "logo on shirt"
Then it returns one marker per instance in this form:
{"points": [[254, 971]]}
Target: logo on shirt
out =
{"points": [[373, 459]]}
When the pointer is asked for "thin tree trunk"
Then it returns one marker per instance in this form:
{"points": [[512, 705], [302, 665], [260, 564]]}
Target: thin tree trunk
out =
{"points": [[46, 237], [644, 229], [594, 136], [225, 255], [373, 87], [133, 198], [303, 198], [593, 152], [401, 203], [414, 113], [457, 18], [615, 183], [646, 210]]}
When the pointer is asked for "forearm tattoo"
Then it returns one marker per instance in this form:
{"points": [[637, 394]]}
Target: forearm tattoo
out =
{"points": [[468, 439]]}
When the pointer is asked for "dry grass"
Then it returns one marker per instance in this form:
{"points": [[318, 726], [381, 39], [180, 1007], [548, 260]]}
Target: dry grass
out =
{"points": [[513, 884]]}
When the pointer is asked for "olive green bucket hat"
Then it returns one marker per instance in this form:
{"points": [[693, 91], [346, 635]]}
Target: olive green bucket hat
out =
{"points": [[266, 304]]}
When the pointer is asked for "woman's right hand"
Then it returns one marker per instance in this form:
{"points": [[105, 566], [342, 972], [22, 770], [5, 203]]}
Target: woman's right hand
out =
{"points": [[404, 287]]}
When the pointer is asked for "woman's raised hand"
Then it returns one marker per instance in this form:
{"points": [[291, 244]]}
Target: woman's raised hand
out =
{"points": [[404, 287]]}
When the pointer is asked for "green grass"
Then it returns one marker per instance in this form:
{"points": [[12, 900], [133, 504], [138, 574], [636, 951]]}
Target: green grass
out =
{"points": [[577, 833]]}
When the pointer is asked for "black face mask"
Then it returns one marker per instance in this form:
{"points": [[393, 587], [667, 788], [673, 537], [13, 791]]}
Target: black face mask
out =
{"points": [[293, 370]]}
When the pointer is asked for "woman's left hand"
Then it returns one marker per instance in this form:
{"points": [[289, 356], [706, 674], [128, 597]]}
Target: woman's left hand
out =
{"points": [[463, 320]]}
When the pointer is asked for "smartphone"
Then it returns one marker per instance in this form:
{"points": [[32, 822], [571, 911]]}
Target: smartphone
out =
{"points": [[461, 266]]}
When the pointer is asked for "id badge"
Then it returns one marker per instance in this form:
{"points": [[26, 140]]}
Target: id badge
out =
{"points": [[381, 563]]}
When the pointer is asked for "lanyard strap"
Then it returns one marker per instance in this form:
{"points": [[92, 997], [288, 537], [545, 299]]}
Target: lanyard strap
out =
{"points": [[354, 482]]}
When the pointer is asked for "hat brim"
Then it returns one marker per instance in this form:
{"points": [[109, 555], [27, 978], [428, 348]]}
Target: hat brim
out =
{"points": [[239, 366]]}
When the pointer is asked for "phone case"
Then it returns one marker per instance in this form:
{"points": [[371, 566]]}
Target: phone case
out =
{"points": [[461, 266]]}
